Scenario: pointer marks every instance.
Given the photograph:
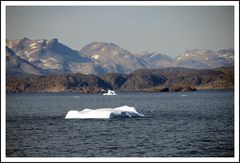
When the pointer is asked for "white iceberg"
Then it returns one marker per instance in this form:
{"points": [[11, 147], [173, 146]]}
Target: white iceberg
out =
{"points": [[110, 92], [104, 113]]}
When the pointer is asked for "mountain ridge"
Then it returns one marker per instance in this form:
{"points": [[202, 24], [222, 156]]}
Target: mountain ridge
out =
{"points": [[52, 57]]}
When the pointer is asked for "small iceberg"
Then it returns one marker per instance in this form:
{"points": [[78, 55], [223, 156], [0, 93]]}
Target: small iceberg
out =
{"points": [[104, 113], [110, 92]]}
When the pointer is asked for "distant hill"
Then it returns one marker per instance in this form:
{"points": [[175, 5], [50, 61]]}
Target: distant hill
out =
{"points": [[194, 59], [206, 59], [155, 59], [149, 80], [45, 57]]}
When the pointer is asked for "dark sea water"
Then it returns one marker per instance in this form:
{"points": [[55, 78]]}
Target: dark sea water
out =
{"points": [[200, 124]]}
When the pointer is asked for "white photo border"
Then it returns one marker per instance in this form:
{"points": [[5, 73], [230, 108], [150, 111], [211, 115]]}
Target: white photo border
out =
{"points": [[120, 3]]}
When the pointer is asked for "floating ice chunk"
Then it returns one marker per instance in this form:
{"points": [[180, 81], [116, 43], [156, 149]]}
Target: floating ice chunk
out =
{"points": [[104, 113], [110, 92]]}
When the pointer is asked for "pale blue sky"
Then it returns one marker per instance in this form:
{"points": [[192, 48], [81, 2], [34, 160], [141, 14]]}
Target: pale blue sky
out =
{"points": [[169, 30]]}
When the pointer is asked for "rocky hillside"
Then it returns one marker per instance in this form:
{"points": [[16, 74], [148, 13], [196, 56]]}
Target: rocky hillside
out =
{"points": [[20, 67], [57, 83], [112, 57], [149, 80]]}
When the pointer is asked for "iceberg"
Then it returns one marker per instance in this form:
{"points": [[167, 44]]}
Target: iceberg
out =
{"points": [[110, 92], [104, 113]]}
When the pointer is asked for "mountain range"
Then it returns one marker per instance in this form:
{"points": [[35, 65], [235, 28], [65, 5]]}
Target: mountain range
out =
{"points": [[45, 57]]}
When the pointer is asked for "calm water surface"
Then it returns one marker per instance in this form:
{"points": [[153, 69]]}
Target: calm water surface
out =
{"points": [[198, 124]]}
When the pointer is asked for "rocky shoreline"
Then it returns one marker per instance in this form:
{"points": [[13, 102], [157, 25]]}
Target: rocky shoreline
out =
{"points": [[146, 80]]}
